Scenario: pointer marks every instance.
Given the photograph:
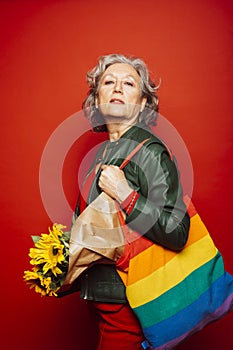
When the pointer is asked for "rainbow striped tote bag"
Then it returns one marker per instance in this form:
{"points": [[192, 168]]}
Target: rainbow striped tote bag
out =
{"points": [[176, 294]]}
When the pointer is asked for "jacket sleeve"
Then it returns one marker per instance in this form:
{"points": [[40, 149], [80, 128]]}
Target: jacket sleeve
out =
{"points": [[160, 213]]}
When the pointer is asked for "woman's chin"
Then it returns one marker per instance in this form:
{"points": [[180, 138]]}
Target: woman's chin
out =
{"points": [[119, 114], [114, 110]]}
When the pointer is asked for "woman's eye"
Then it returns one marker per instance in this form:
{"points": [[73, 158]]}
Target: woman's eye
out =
{"points": [[108, 82], [128, 83]]}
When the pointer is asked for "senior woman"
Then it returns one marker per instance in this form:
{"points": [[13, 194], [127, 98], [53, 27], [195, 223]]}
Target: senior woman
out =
{"points": [[122, 100]]}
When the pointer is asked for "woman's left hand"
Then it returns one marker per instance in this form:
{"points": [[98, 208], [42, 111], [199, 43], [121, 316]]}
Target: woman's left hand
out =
{"points": [[113, 182]]}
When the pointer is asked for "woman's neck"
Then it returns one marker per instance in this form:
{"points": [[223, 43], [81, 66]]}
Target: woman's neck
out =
{"points": [[116, 129]]}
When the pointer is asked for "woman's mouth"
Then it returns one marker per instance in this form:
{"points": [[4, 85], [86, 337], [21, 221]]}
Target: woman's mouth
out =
{"points": [[117, 101]]}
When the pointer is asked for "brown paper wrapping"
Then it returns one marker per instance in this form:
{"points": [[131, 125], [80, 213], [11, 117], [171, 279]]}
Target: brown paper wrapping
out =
{"points": [[96, 237]]}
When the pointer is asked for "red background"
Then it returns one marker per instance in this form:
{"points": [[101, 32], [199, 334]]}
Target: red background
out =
{"points": [[46, 49]]}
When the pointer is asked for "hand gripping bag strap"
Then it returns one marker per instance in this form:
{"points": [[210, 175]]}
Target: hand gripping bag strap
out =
{"points": [[91, 176]]}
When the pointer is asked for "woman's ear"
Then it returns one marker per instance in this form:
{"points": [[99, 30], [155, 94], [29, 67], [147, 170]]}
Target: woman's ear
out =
{"points": [[143, 103], [96, 102]]}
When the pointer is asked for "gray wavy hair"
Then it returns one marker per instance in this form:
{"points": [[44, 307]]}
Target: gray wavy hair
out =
{"points": [[148, 89]]}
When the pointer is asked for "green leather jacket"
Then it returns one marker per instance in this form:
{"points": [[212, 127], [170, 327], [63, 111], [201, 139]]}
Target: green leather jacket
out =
{"points": [[159, 213]]}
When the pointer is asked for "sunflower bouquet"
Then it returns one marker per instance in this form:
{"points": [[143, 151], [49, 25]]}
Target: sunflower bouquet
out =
{"points": [[49, 258]]}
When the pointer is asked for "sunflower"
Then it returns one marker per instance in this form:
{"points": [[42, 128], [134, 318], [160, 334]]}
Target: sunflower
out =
{"points": [[49, 258], [49, 251], [35, 280]]}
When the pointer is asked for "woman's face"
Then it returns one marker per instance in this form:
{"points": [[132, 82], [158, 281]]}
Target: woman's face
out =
{"points": [[119, 93]]}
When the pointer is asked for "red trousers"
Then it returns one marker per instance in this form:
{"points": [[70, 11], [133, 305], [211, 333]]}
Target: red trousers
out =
{"points": [[119, 328]]}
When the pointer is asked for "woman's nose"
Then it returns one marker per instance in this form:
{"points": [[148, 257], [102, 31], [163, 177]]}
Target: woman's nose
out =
{"points": [[118, 87]]}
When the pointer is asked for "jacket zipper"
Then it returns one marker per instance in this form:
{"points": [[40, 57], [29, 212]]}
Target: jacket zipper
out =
{"points": [[86, 287]]}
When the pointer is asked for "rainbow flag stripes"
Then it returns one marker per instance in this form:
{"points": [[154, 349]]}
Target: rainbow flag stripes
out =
{"points": [[176, 294]]}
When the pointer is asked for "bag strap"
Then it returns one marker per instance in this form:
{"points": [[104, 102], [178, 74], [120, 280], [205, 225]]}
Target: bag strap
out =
{"points": [[130, 156], [90, 178]]}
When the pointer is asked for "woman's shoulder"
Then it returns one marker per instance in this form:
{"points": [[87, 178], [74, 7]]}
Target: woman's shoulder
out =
{"points": [[154, 143]]}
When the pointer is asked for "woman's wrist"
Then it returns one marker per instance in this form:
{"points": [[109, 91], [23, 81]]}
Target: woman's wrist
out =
{"points": [[122, 191], [128, 204]]}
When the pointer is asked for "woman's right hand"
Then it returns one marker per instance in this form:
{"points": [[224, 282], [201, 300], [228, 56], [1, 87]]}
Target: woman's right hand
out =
{"points": [[113, 182]]}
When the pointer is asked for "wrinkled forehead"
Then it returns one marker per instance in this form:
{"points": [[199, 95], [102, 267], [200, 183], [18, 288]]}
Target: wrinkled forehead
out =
{"points": [[122, 70]]}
